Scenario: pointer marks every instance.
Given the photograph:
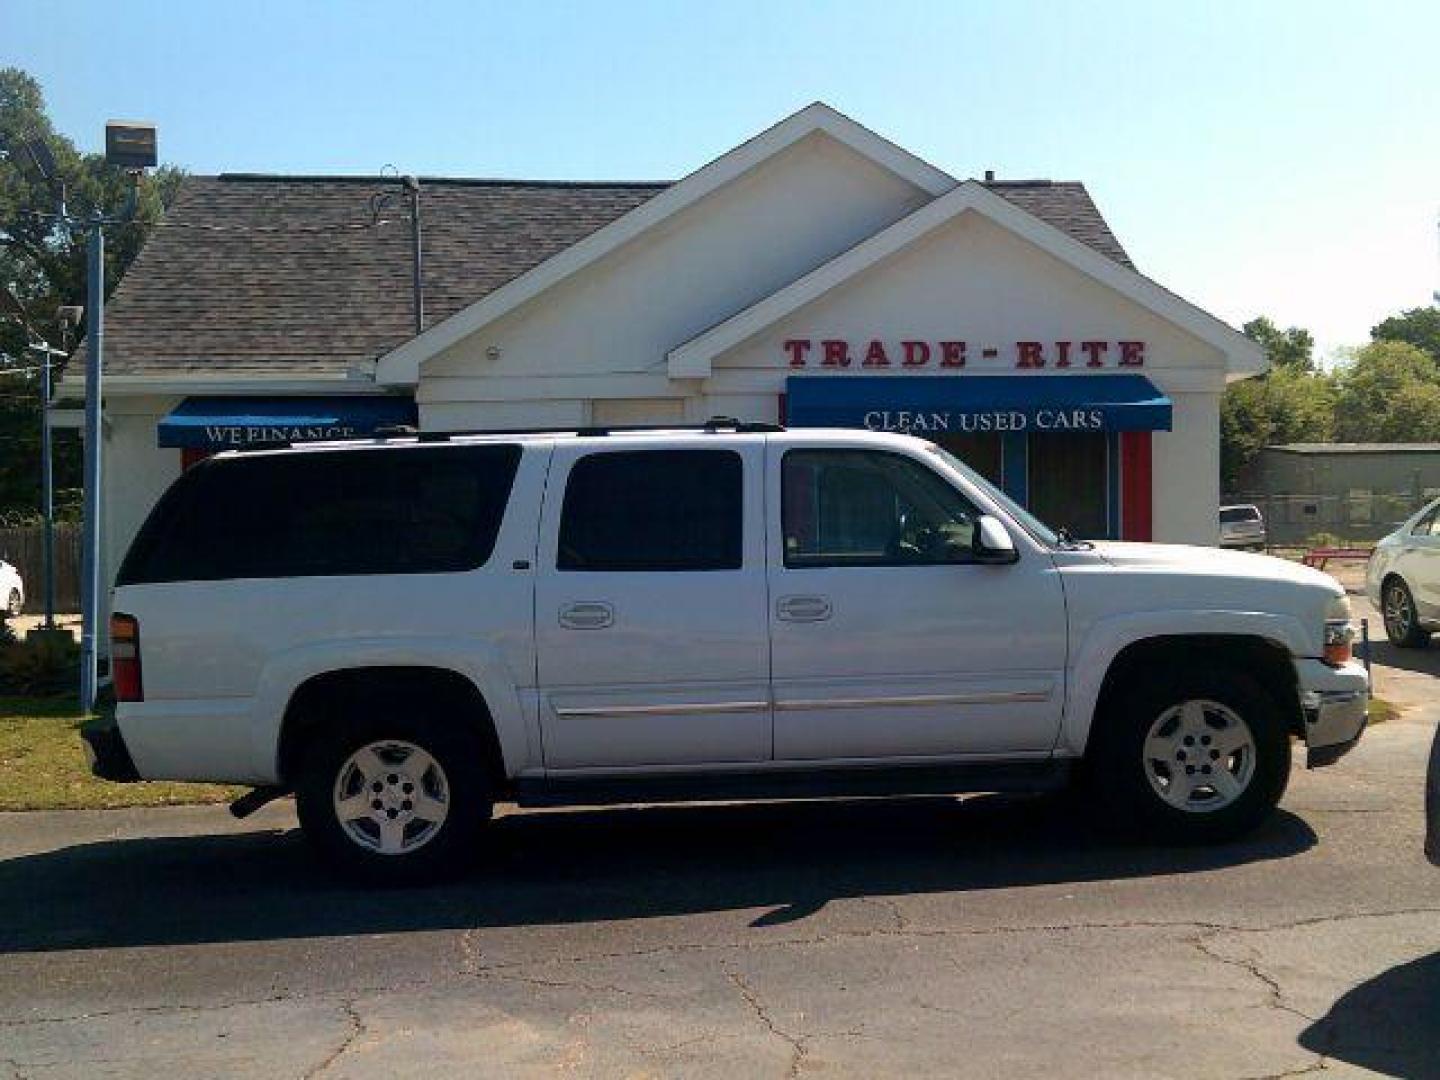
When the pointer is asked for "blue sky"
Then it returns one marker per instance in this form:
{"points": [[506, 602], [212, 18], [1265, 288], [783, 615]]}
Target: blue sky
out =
{"points": [[1260, 157]]}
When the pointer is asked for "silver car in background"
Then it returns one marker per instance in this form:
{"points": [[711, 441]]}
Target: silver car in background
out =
{"points": [[1403, 579], [12, 589], [1242, 526]]}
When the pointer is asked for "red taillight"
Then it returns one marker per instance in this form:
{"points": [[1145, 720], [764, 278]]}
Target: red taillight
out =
{"points": [[125, 658]]}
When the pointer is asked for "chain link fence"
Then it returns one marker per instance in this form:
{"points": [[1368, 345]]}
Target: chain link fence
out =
{"points": [[1359, 517]]}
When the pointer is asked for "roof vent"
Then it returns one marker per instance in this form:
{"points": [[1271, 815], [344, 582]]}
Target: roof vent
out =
{"points": [[989, 176]]}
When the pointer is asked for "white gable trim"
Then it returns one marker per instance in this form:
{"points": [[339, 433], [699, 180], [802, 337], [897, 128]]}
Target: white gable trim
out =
{"points": [[402, 364], [694, 359]]}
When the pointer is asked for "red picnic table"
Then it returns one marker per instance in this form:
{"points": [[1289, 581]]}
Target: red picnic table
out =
{"points": [[1318, 557]]}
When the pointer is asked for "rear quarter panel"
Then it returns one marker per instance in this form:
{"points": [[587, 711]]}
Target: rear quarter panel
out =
{"points": [[228, 655]]}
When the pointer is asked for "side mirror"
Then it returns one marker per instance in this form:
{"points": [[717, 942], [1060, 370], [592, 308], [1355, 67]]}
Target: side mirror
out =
{"points": [[992, 543]]}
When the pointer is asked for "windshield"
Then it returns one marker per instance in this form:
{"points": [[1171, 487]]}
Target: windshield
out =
{"points": [[1028, 521]]}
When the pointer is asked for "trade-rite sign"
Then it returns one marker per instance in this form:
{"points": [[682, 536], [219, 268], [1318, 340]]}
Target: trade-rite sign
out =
{"points": [[916, 354]]}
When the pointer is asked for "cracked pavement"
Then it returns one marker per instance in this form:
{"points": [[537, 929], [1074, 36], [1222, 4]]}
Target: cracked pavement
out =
{"points": [[980, 937]]}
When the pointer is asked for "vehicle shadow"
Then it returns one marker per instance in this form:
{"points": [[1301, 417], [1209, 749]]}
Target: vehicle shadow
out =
{"points": [[588, 865], [1390, 1024], [1423, 661]]}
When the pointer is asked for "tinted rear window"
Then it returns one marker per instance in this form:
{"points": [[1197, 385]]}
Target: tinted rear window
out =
{"points": [[394, 511], [1232, 514]]}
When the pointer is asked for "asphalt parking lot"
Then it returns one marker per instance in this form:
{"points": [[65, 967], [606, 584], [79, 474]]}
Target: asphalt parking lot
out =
{"points": [[980, 937]]}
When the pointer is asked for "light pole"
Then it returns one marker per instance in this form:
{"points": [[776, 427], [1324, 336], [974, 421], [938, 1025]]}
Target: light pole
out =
{"points": [[132, 147], [94, 369]]}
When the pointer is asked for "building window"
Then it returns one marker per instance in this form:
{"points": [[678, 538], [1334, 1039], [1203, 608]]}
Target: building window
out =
{"points": [[1068, 483]]}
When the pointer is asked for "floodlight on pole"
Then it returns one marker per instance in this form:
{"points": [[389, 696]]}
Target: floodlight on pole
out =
{"points": [[130, 144]]}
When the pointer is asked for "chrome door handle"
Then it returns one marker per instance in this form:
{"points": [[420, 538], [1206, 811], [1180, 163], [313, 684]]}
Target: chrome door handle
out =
{"points": [[803, 608], [587, 615]]}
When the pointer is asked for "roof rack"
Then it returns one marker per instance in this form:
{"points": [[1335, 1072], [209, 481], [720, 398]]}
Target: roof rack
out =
{"points": [[713, 426]]}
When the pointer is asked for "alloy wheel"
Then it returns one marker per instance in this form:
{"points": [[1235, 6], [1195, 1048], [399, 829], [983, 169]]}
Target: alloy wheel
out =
{"points": [[391, 797], [1397, 611], [1199, 756]]}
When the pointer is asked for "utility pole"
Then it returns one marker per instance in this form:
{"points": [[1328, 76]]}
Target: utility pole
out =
{"points": [[47, 475]]}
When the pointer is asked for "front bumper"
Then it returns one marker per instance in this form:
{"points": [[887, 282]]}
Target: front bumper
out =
{"points": [[1335, 702], [106, 751]]}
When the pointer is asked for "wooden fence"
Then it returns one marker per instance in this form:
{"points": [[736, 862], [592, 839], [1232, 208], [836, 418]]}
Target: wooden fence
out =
{"points": [[25, 549]]}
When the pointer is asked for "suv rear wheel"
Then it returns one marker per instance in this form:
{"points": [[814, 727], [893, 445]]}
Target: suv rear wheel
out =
{"points": [[393, 799], [1193, 756]]}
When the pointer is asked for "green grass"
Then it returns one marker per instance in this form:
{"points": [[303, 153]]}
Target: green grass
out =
{"points": [[1382, 710], [43, 766]]}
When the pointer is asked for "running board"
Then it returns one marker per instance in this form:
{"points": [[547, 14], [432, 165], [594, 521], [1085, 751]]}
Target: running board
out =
{"points": [[778, 784]]}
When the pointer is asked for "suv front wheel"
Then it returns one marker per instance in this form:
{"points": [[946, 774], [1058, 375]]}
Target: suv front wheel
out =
{"points": [[1193, 756], [393, 799]]}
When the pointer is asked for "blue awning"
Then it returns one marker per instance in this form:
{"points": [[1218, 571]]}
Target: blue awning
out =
{"points": [[977, 404], [226, 423]]}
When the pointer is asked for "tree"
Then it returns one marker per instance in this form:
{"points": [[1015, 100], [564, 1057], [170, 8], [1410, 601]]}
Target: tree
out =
{"points": [[1293, 348], [44, 267], [1288, 405], [1418, 326], [1291, 403], [1389, 392]]}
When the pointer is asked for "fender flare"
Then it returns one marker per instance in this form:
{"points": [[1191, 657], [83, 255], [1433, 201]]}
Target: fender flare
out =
{"points": [[1107, 638], [473, 660]]}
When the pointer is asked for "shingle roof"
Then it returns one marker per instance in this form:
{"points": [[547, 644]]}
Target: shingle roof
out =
{"points": [[1067, 206], [284, 273], [281, 274]]}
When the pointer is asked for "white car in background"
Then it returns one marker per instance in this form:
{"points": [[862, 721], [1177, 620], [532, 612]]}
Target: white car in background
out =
{"points": [[1242, 526], [12, 589], [1403, 579]]}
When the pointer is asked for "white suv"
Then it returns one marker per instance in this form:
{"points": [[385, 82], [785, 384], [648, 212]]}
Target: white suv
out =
{"points": [[403, 632]]}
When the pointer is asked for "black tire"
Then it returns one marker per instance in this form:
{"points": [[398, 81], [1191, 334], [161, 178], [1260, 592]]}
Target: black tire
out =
{"points": [[387, 720], [14, 604], [1119, 772], [1402, 620]]}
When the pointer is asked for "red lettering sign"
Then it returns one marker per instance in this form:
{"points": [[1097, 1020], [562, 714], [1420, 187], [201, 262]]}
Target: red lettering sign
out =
{"points": [[1029, 354], [917, 353], [797, 348]]}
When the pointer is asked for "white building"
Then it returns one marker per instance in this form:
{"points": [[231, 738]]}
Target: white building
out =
{"points": [[816, 274]]}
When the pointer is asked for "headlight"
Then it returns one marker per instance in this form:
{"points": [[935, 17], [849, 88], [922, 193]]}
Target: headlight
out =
{"points": [[1339, 637], [1339, 642]]}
